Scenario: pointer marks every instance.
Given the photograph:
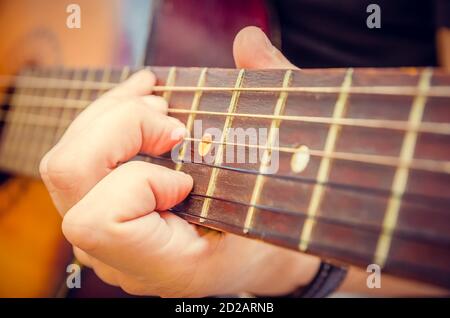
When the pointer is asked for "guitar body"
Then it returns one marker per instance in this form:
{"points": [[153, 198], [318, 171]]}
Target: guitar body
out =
{"points": [[33, 252]]}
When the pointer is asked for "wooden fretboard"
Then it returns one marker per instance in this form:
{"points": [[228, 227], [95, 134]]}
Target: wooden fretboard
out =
{"points": [[364, 154]]}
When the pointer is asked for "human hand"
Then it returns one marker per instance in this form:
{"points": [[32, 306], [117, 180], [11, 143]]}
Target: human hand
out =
{"points": [[115, 212]]}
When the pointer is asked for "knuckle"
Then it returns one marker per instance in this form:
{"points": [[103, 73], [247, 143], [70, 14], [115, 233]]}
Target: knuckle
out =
{"points": [[79, 231], [132, 104], [56, 169], [43, 170], [127, 111], [139, 184]]}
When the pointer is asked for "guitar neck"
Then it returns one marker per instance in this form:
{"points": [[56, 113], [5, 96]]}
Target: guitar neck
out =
{"points": [[362, 156]]}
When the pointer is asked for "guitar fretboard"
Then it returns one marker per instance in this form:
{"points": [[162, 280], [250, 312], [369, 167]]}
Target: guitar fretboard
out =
{"points": [[364, 156]]}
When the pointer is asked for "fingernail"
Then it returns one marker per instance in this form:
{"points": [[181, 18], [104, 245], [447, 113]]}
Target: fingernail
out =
{"points": [[143, 75], [178, 133]]}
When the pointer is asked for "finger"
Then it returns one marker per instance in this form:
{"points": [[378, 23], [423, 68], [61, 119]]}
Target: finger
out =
{"points": [[106, 104], [126, 220], [253, 50], [78, 163], [82, 257], [105, 272], [139, 84]]}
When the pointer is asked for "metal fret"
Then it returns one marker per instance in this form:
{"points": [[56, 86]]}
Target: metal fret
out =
{"points": [[123, 76], [325, 164], [219, 153], [12, 128], [18, 155], [171, 78], [67, 113], [191, 118], [51, 132], [400, 179], [67, 118], [29, 153], [275, 124]]}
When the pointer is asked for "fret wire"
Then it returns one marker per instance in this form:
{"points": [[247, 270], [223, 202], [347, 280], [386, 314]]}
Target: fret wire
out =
{"points": [[278, 110], [400, 179], [33, 137], [66, 113], [51, 132], [219, 153], [15, 140], [352, 189], [416, 164], [8, 99], [404, 233], [126, 72], [435, 91], [171, 78], [325, 164], [54, 132], [424, 127], [30, 152], [264, 234], [191, 118], [11, 130]]}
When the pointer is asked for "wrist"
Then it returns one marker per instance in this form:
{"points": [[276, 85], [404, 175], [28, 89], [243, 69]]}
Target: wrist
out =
{"points": [[284, 271]]}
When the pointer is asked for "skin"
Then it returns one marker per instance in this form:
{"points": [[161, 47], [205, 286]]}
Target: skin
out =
{"points": [[115, 214]]}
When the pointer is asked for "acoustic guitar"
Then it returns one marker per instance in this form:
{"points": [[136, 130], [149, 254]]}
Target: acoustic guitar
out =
{"points": [[364, 156]]}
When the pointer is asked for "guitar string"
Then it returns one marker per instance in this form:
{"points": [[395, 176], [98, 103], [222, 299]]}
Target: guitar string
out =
{"points": [[296, 179], [197, 90], [267, 234], [34, 122], [424, 127], [416, 164], [400, 232], [435, 91], [351, 189], [415, 198], [258, 206], [389, 161]]}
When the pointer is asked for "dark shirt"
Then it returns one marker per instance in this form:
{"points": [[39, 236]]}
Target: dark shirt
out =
{"points": [[334, 33]]}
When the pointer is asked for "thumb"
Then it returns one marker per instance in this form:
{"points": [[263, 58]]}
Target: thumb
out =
{"points": [[253, 49]]}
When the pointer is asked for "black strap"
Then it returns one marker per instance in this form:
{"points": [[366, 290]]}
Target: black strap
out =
{"points": [[328, 278]]}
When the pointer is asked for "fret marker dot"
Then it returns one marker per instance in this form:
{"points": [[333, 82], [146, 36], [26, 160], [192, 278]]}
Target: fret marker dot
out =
{"points": [[300, 159], [205, 145]]}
